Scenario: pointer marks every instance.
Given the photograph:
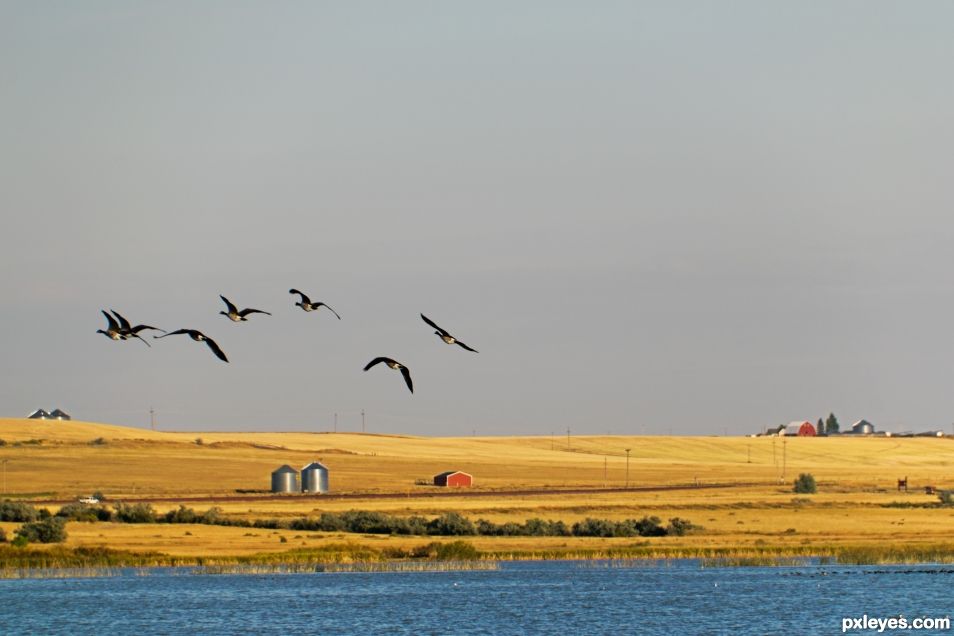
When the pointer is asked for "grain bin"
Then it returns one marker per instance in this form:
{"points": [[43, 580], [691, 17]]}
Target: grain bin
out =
{"points": [[285, 479], [314, 478]]}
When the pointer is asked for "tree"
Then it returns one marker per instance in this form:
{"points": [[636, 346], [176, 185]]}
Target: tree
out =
{"points": [[805, 484], [820, 428], [49, 530], [831, 424], [17, 511]]}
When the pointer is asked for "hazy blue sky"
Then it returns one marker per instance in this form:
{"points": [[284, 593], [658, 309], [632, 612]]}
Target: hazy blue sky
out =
{"points": [[647, 216]]}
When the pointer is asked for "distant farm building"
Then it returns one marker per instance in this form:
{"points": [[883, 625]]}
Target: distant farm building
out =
{"points": [[800, 429], [862, 427], [772, 431], [56, 414], [314, 478], [454, 479], [285, 479]]}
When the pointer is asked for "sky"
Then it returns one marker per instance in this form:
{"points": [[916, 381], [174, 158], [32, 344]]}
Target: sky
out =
{"points": [[648, 217]]}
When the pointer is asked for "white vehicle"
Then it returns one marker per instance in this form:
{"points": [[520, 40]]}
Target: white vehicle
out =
{"points": [[89, 500]]}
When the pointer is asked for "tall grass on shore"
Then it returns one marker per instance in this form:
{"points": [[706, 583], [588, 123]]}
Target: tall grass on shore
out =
{"points": [[358, 566], [745, 556]]}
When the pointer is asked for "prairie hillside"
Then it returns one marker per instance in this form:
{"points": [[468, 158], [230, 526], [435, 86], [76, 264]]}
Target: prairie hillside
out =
{"points": [[752, 507], [64, 459]]}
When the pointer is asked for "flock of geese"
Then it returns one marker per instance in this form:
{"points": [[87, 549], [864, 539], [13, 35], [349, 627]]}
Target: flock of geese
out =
{"points": [[119, 328]]}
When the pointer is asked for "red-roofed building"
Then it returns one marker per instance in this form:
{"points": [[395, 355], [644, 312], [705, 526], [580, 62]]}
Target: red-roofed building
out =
{"points": [[454, 479]]}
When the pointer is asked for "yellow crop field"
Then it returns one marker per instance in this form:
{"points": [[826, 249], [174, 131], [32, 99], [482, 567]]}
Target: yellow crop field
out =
{"points": [[738, 489]]}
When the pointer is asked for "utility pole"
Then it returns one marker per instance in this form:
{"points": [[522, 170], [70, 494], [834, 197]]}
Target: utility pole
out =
{"points": [[627, 466], [749, 448], [553, 443], [568, 438], [152, 418], [784, 456], [362, 420]]}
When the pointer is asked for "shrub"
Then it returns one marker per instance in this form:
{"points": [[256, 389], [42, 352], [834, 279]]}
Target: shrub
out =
{"points": [[99, 441], [457, 551], [17, 511], [946, 497], [678, 527], [428, 551], [451, 524], [84, 512], [3, 442], [366, 522], [538, 528], [51, 530], [594, 528], [3, 536], [649, 527], [805, 484], [19, 541], [135, 513]]}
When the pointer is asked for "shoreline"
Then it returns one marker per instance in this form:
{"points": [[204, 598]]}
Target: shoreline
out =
{"points": [[66, 562]]}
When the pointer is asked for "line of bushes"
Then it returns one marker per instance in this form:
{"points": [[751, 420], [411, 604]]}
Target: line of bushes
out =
{"points": [[356, 521]]}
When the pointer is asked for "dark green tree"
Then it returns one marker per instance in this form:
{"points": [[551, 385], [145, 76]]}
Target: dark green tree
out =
{"points": [[820, 427], [49, 530], [831, 424], [805, 484]]}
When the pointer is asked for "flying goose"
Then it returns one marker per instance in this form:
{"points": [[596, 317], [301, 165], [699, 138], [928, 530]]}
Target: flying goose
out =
{"points": [[307, 305], [121, 329], [112, 329], [394, 364], [130, 331], [446, 337], [238, 316], [198, 336]]}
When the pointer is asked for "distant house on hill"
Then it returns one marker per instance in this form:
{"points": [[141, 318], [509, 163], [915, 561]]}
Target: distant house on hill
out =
{"points": [[56, 414], [773, 431], [800, 429], [454, 479]]}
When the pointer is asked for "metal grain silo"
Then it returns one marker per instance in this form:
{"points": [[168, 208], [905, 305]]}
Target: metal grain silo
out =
{"points": [[862, 427], [285, 479], [314, 478]]}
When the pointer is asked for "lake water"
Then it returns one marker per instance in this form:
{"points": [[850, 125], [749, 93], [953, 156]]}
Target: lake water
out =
{"points": [[520, 598]]}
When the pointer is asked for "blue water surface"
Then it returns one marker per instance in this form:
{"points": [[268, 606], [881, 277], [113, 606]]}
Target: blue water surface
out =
{"points": [[520, 598]]}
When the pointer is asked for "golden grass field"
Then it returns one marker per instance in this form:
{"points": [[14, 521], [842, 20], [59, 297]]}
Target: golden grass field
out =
{"points": [[754, 506]]}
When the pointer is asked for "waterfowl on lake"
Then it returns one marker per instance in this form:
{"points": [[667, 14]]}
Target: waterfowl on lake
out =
{"points": [[307, 305], [446, 337], [198, 336], [394, 364], [238, 316]]}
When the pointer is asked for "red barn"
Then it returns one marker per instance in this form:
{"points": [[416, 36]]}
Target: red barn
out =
{"points": [[454, 479], [801, 429]]}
